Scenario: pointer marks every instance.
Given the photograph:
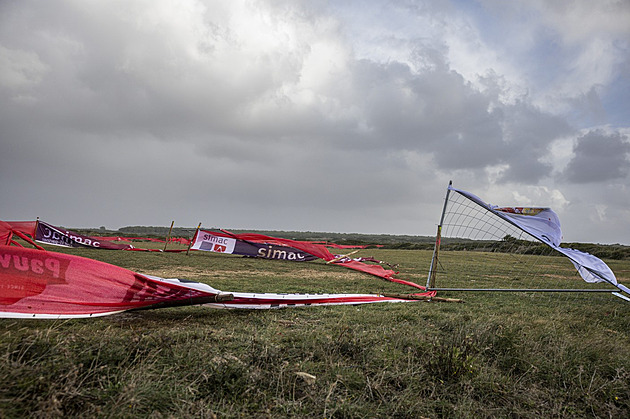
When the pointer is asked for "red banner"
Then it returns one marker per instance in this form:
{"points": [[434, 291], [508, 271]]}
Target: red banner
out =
{"points": [[58, 236], [35, 283], [222, 242], [317, 250], [25, 230]]}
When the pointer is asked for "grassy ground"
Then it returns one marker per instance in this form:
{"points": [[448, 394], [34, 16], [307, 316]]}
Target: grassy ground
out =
{"points": [[496, 355]]}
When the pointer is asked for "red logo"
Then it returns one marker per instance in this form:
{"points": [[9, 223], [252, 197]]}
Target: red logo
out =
{"points": [[219, 248]]}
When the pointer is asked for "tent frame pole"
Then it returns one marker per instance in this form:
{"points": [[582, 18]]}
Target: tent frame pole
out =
{"points": [[438, 239], [192, 240], [610, 290], [168, 236]]}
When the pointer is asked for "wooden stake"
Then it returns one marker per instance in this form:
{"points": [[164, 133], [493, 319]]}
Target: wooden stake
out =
{"points": [[448, 300], [438, 240], [423, 298], [168, 237], [193, 239], [435, 259]]}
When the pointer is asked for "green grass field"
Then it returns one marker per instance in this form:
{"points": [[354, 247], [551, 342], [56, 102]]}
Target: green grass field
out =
{"points": [[495, 355]]}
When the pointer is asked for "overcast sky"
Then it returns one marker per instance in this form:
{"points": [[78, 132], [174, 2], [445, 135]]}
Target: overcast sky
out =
{"points": [[344, 116]]}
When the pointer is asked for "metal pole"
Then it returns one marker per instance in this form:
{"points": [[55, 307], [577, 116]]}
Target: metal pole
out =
{"points": [[523, 289], [438, 239]]}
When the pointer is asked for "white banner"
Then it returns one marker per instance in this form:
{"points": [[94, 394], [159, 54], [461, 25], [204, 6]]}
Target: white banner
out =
{"points": [[211, 243], [543, 224]]}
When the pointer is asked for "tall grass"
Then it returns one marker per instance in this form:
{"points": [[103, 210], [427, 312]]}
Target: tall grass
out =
{"points": [[496, 355]]}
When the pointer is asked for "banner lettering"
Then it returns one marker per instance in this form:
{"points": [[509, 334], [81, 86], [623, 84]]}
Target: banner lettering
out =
{"points": [[58, 236]]}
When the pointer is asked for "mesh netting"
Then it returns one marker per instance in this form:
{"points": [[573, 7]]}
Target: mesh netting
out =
{"points": [[480, 250]]}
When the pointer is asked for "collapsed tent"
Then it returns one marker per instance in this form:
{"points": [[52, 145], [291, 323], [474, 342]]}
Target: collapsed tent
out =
{"points": [[245, 244], [43, 284], [259, 245], [42, 232]]}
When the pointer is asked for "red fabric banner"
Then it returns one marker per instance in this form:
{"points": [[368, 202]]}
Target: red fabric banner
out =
{"points": [[179, 240], [49, 284], [47, 233], [6, 233], [22, 229], [316, 250], [321, 252]]}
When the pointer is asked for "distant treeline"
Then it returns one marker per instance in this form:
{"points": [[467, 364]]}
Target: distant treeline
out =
{"points": [[389, 241], [510, 244]]}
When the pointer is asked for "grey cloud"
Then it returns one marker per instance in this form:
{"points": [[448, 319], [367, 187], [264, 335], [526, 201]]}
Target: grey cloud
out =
{"points": [[528, 132], [131, 77], [430, 111], [599, 157], [107, 89], [190, 117], [438, 112]]}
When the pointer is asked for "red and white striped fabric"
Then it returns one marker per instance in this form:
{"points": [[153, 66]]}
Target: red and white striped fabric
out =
{"points": [[43, 284]]}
